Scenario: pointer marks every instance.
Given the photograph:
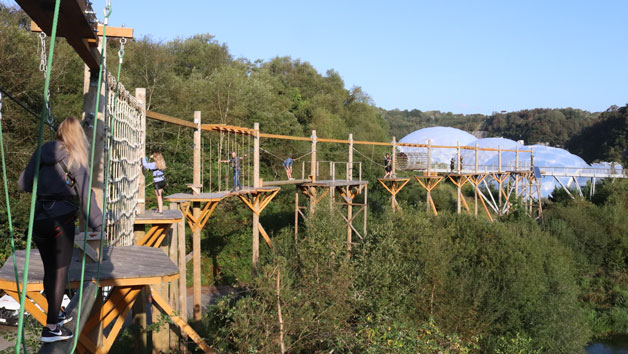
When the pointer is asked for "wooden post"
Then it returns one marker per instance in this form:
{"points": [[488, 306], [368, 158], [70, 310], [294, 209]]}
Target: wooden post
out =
{"points": [[459, 208], [394, 157], [256, 184], [499, 170], [365, 207], [349, 218], [196, 211], [517, 171], [140, 95], [429, 162], [313, 167], [530, 181], [476, 176], [313, 171], [350, 164], [183, 287], [139, 307], [173, 291]]}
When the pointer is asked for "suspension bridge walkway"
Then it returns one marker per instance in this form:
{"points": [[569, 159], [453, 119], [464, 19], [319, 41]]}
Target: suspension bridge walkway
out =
{"points": [[114, 273]]}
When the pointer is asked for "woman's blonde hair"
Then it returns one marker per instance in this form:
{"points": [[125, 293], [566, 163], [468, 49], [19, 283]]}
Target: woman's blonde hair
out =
{"points": [[160, 163], [71, 134]]}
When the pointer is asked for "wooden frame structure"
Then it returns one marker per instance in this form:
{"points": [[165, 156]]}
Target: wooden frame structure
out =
{"points": [[160, 224], [347, 191], [127, 270], [394, 186]]}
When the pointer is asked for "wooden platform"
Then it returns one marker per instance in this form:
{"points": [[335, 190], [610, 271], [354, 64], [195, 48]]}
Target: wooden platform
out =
{"points": [[215, 196], [168, 216], [334, 183], [285, 182], [128, 265]]}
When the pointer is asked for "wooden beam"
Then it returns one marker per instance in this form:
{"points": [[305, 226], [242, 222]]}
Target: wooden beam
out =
{"points": [[169, 119], [73, 25], [112, 32]]}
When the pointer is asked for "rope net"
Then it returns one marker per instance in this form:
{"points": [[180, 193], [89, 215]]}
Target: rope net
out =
{"points": [[124, 145]]}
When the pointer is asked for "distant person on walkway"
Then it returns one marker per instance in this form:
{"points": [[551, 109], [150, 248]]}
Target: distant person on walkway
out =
{"points": [[159, 179], [460, 163], [287, 165], [235, 165], [63, 189], [452, 164], [388, 166]]}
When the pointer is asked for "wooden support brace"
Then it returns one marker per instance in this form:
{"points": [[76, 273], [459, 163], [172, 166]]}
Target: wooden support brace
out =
{"points": [[163, 305]]}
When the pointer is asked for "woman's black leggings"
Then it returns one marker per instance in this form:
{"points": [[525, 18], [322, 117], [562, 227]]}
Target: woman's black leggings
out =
{"points": [[54, 238]]}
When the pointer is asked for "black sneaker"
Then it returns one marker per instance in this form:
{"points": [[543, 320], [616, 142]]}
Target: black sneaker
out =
{"points": [[54, 335], [63, 318]]}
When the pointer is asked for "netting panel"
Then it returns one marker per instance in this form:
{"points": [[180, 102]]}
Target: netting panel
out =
{"points": [[124, 147]]}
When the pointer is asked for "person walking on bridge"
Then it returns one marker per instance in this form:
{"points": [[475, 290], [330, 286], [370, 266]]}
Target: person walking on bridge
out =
{"points": [[62, 189], [235, 165], [287, 165]]}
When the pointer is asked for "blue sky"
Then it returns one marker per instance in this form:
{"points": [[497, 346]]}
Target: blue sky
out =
{"points": [[459, 56]]}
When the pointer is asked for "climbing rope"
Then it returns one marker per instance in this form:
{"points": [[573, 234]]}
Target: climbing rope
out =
{"points": [[40, 140], [107, 12], [9, 216], [110, 131]]}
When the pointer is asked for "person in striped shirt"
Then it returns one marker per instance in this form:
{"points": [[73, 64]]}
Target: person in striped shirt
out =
{"points": [[159, 180]]}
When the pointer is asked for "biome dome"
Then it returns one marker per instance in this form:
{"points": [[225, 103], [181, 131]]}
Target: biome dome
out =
{"points": [[437, 136], [468, 156]]}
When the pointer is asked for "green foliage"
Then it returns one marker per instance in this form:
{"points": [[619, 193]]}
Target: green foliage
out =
{"points": [[606, 140]]}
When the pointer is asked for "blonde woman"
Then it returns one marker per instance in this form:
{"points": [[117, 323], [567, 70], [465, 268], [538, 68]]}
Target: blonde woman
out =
{"points": [[159, 180], [63, 176]]}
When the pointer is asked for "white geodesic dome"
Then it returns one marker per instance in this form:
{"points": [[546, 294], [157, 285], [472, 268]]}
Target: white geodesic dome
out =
{"points": [[444, 136], [468, 156]]}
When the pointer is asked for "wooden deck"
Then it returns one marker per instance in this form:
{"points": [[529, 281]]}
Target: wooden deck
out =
{"points": [[168, 216], [129, 265], [215, 196], [334, 183]]}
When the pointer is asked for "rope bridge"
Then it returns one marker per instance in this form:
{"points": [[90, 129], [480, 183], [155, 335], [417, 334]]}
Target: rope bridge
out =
{"points": [[125, 136]]}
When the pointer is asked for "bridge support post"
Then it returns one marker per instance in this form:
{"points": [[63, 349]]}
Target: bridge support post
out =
{"points": [[196, 211], [256, 184]]}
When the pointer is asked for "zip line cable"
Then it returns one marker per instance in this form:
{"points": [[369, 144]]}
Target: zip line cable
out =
{"points": [[40, 140]]}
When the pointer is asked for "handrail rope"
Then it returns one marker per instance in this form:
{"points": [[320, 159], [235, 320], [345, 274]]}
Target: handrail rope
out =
{"points": [[281, 158], [40, 141], [9, 216], [367, 157], [107, 12], [108, 146]]}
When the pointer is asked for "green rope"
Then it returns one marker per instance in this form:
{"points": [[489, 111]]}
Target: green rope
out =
{"points": [[31, 217], [108, 157], [91, 172], [9, 216]]}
